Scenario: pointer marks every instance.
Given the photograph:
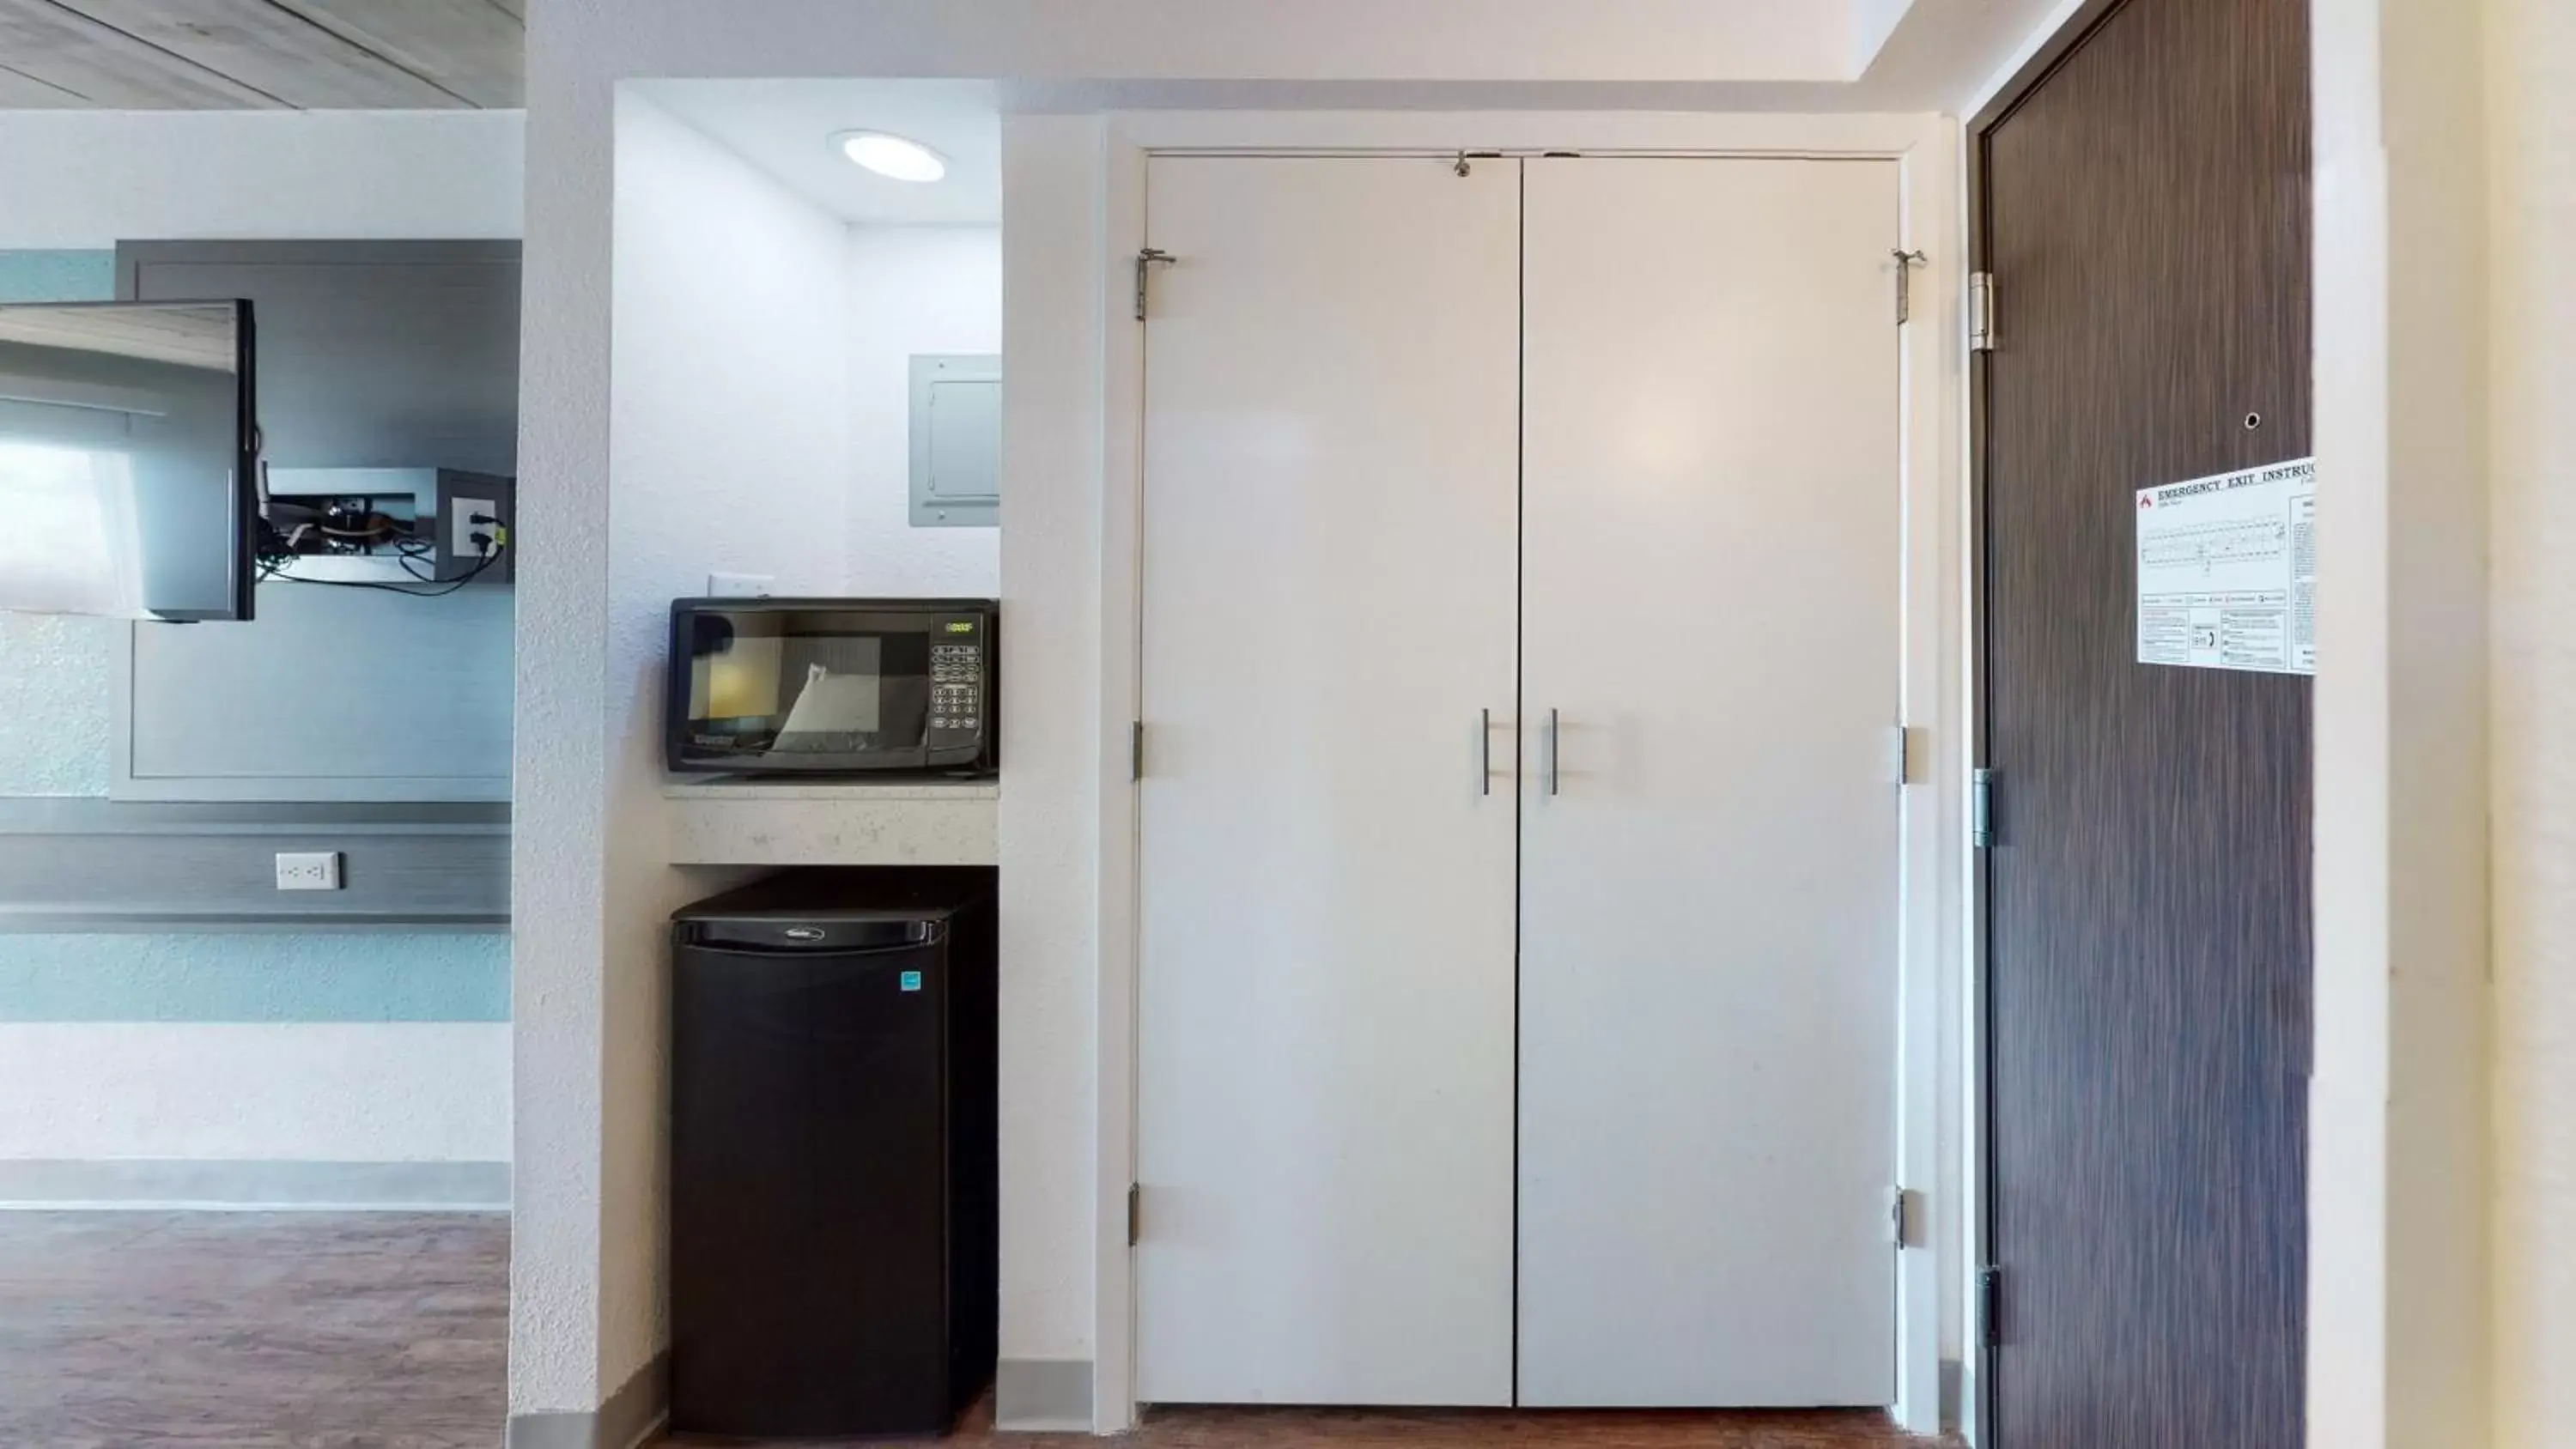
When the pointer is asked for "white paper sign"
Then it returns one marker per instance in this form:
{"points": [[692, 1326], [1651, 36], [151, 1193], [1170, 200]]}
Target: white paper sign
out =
{"points": [[2227, 571]]}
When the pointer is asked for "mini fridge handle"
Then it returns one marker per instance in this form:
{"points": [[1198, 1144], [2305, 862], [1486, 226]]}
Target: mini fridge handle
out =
{"points": [[915, 935]]}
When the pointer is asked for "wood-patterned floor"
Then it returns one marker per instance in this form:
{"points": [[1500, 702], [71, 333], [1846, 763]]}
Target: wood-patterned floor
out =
{"points": [[1428, 1429], [133, 1330], [389, 1331]]}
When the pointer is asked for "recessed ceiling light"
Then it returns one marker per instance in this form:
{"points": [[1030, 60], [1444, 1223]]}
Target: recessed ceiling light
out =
{"points": [[891, 155]]}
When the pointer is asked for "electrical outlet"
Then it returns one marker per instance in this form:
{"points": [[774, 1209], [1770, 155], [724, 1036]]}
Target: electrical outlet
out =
{"points": [[308, 870], [461, 526], [738, 586]]}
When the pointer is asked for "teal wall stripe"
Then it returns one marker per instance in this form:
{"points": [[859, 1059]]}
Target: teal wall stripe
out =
{"points": [[34, 276], [318, 976], [53, 670]]}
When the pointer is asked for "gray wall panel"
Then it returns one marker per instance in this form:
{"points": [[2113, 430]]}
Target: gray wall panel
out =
{"points": [[68, 865], [371, 354]]}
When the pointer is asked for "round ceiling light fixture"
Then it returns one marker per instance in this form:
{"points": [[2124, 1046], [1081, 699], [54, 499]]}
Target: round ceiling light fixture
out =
{"points": [[890, 155]]}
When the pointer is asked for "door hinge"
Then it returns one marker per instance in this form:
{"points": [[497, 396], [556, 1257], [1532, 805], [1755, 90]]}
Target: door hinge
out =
{"points": [[1905, 753], [1981, 312], [1990, 1304], [1136, 750], [1900, 1217], [1906, 262], [1981, 809], [1146, 260], [1135, 1214]]}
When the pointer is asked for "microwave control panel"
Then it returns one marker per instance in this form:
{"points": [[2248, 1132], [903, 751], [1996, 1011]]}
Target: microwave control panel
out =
{"points": [[957, 673]]}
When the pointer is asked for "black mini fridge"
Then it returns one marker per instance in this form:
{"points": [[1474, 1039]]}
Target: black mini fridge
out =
{"points": [[833, 1145]]}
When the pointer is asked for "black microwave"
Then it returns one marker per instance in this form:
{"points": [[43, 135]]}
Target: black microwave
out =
{"points": [[832, 686]]}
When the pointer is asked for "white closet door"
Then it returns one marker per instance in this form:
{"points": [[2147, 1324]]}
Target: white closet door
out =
{"points": [[1709, 885], [1325, 989]]}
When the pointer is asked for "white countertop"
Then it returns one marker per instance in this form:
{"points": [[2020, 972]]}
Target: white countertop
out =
{"points": [[721, 820]]}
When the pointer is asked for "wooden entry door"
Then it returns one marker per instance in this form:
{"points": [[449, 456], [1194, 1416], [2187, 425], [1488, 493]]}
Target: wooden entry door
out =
{"points": [[2146, 218]]}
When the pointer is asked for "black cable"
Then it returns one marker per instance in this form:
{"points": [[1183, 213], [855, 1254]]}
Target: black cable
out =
{"points": [[483, 561]]}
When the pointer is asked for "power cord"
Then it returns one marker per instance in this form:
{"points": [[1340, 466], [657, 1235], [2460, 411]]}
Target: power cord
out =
{"points": [[274, 567]]}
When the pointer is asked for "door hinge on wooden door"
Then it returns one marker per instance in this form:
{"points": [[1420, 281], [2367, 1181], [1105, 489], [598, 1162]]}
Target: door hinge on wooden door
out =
{"points": [[1990, 1305], [1981, 809], [1904, 752], [1906, 262], [1981, 312], [1136, 749], [1135, 1214], [1146, 259], [1900, 1217]]}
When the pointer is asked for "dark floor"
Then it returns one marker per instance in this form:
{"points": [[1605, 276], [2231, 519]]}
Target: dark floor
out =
{"points": [[1442, 1429], [135, 1330], [389, 1331]]}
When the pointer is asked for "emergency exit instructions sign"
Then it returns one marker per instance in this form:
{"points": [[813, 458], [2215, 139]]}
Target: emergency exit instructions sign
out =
{"points": [[2227, 571]]}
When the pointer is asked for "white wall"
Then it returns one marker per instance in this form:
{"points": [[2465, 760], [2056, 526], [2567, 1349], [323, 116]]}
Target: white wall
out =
{"points": [[1872, 22], [559, 819], [90, 178], [1053, 187], [256, 1092], [726, 449], [2531, 109], [2398, 1317], [913, 289]]}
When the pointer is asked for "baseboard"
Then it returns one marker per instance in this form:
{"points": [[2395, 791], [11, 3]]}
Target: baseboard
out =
{"points": [[631, 1416], [1042, 1394], [247, 1186]]}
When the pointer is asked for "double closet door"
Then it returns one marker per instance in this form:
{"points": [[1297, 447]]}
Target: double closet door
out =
{"points": [[1518, 904]]}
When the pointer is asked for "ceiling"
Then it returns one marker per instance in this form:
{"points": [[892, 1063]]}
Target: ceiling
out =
{"points": [[785, 128], [262, 54], [1807, 55]]}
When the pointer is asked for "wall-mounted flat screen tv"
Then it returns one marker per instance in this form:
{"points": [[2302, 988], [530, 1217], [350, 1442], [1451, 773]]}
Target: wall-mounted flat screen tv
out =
{"points": [[129, 459]]}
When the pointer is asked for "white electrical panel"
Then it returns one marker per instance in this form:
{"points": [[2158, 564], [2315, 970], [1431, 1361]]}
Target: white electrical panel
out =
{"points": [[956, 441]]}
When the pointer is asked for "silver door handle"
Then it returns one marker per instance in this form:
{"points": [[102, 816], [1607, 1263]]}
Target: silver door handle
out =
{"points": [[1484, 752], [1550, 752]]}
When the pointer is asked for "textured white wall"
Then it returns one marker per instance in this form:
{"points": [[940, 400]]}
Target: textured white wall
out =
{"points": [[913, 289], [2531, 109], [315, 1092], [559, 724], [57, 712], [93, 178], [2398, 1112], [726, 449], [1052, 187]]}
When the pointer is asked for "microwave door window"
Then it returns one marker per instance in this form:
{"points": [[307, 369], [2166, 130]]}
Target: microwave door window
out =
{"points": [[806, 691], [853, 694], [733, 691], [834, 714]]}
